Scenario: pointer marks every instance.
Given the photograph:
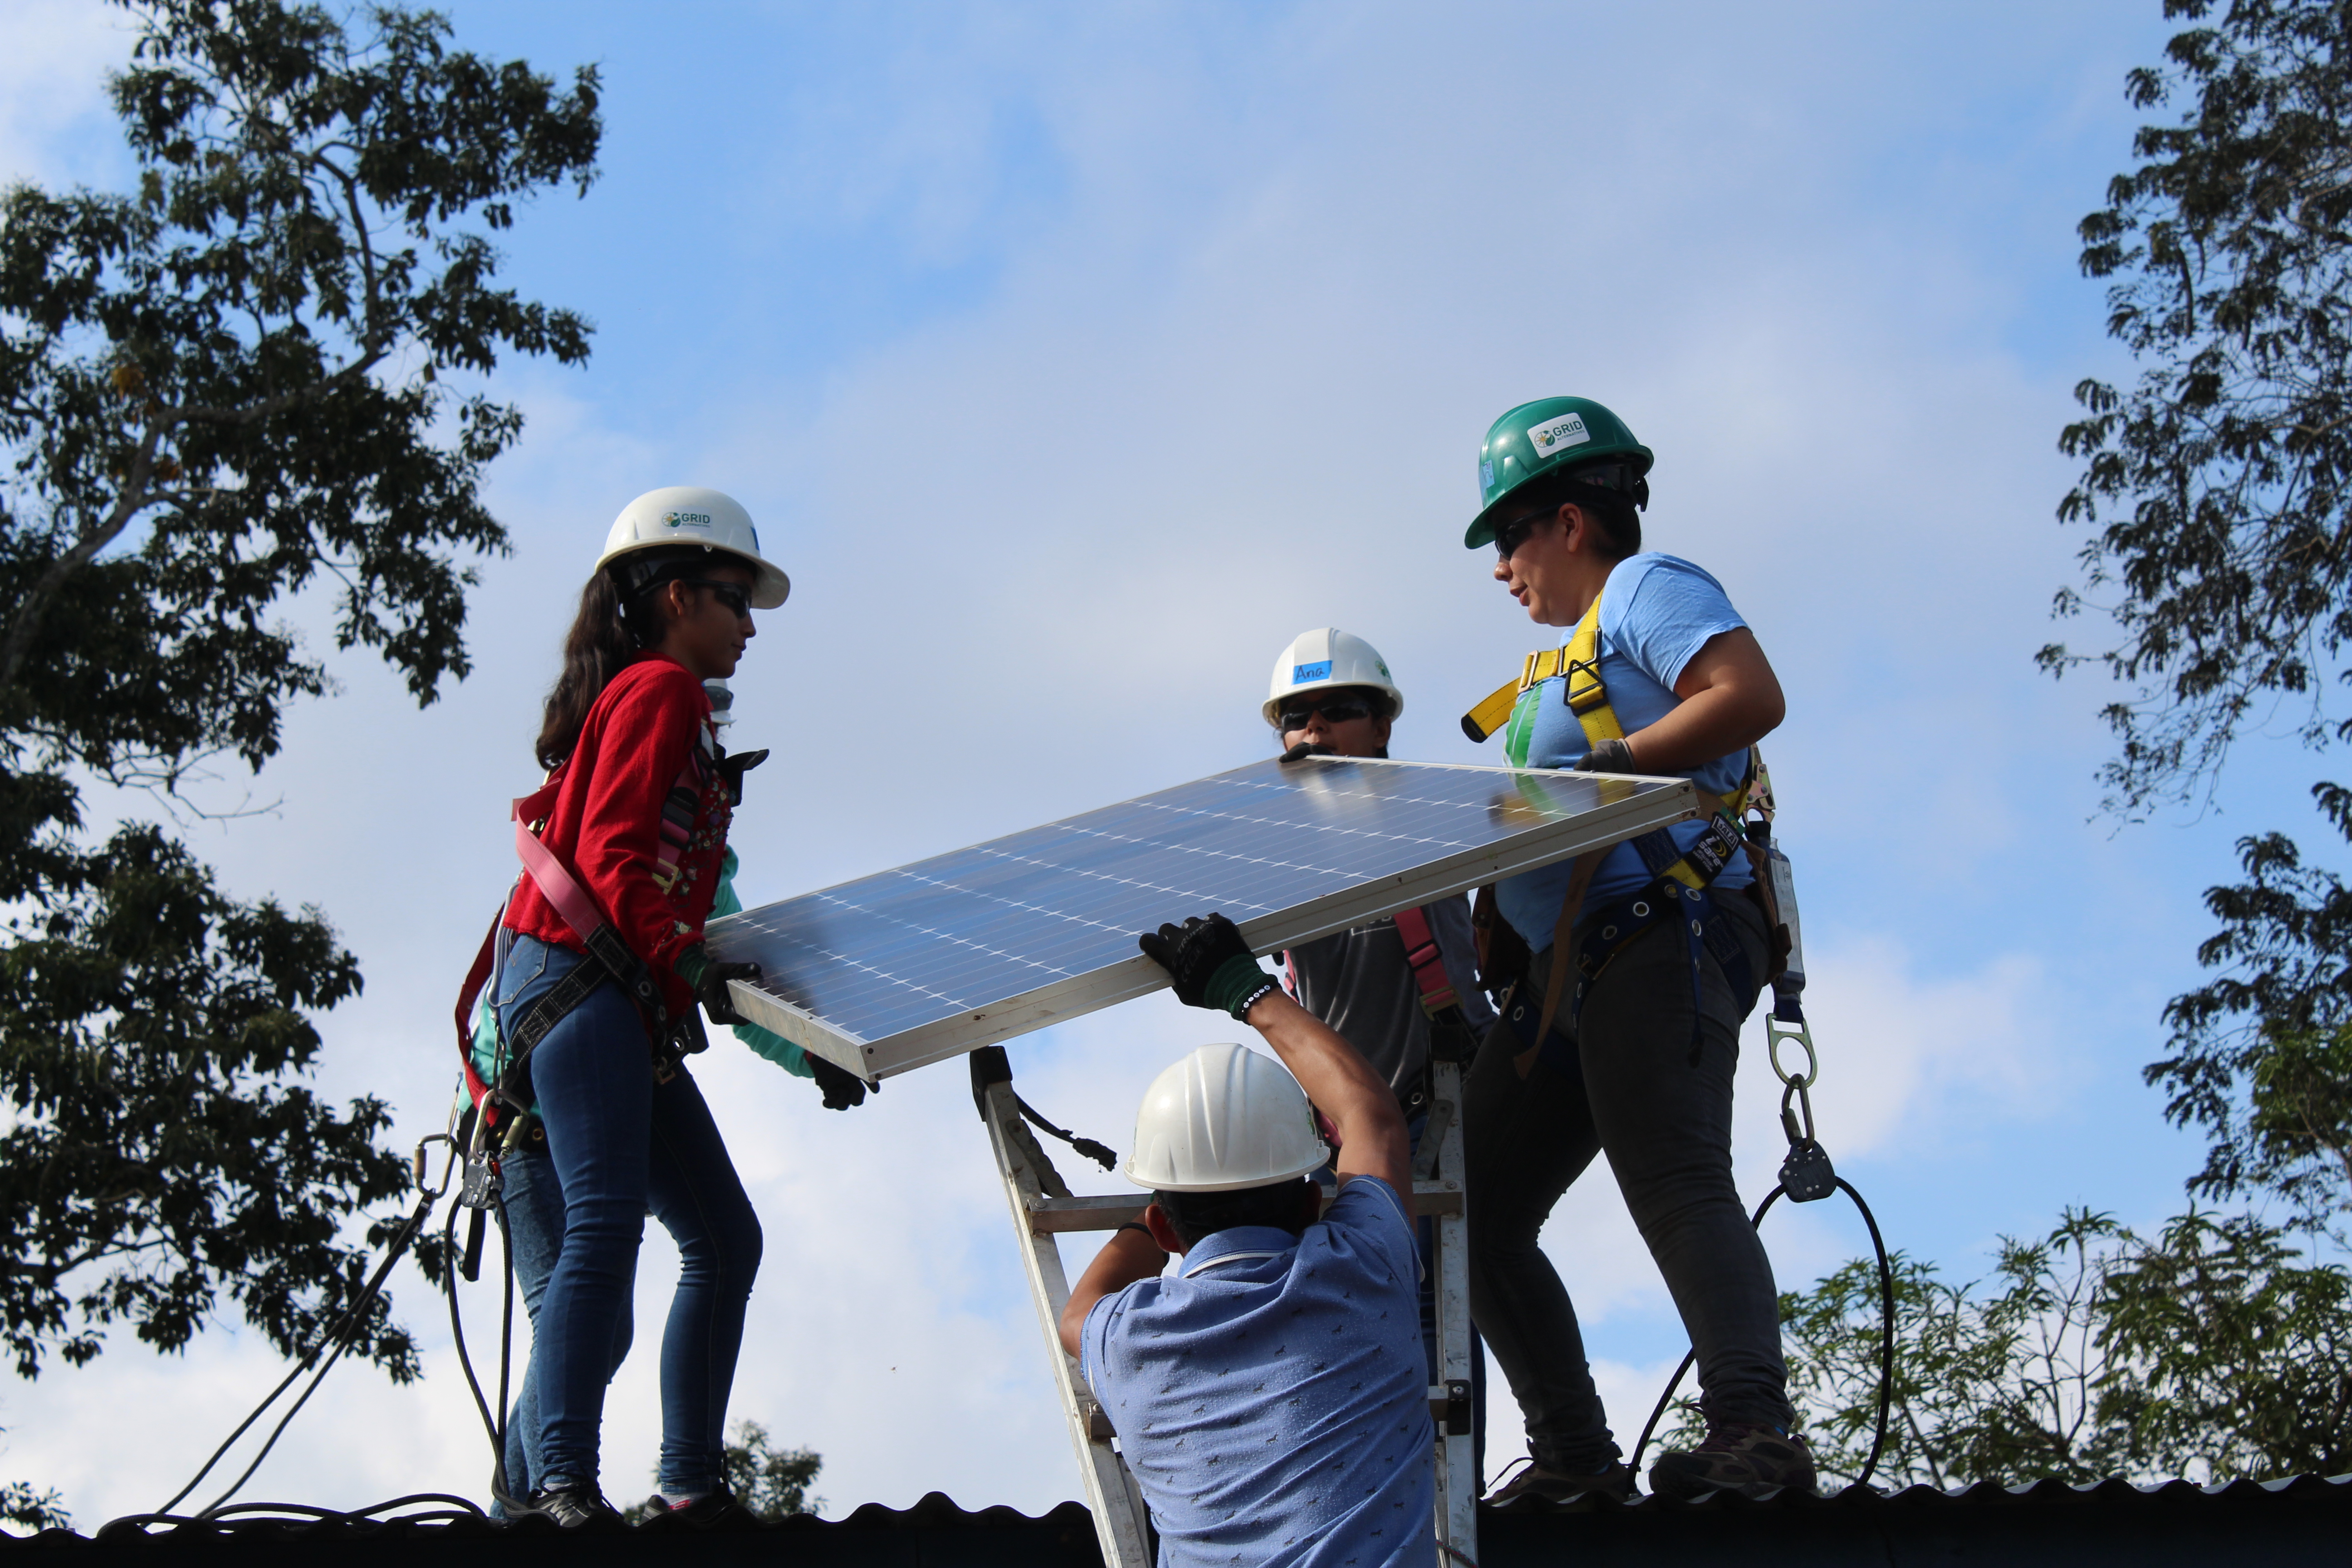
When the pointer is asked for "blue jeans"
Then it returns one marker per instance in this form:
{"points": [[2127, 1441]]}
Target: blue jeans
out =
{"points": [[623, 1145], [534, 1212]]}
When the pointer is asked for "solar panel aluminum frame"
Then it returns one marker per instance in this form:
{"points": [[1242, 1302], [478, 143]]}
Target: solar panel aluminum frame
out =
{"points": [[1662, 804]]}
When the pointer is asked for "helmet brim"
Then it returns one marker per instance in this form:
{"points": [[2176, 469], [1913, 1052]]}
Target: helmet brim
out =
{"points": [[770, 586]]}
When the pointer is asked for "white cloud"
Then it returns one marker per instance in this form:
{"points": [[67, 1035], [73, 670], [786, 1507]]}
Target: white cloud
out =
{"points": [[56, 127]]}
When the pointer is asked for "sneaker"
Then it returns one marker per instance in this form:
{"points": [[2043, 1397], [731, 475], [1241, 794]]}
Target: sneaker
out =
{"points": [[1537, 1488], [575, 1508], [1751, 1460], [712, 1510]]}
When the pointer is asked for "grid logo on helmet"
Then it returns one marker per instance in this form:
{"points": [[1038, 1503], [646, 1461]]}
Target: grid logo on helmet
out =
{"points": [[1559, 435], [685, 519], [1302, 673]]}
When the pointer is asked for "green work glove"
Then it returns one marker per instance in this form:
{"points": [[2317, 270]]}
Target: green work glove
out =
{"points": [[1209, 964], [708, 980]]}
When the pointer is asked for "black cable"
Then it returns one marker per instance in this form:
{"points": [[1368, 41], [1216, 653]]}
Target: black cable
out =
{"points": [[1886, 1338], [1755, 1222], [338, 1337], [1885, 1332], [493, 1427], [460, 1507], [1099, 1154]]}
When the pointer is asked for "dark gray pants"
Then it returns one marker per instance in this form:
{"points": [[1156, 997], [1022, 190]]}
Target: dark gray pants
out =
{"points": [[1627, 1085]]}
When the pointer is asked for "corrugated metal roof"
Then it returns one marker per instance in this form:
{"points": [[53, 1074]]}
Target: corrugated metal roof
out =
{"points": [[934, 1533], [2304, 1520]]}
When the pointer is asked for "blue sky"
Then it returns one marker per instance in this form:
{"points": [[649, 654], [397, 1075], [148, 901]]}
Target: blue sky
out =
{"points": [[1074, 358]]}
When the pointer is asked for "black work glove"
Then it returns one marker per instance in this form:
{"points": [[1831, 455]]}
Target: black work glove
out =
{"points": [[1209, 964], [733, 766], [841, 1087], [1607, 757], [707, 979]]}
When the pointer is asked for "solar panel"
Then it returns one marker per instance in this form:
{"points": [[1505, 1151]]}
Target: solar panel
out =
{"points": [[939, 957]]}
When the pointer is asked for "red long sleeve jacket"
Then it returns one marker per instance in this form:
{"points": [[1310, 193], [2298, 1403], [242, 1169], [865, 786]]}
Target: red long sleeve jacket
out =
{"points": [[640, 816]]}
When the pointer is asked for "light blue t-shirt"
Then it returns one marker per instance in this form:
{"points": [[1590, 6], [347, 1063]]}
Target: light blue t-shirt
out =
{"points": [[1272, 1397], [1656, 613]]}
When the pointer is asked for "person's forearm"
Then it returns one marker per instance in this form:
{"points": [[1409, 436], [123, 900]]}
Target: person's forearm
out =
{"points": [[1714, 723], [1342, 1086], [1129, 1256]]}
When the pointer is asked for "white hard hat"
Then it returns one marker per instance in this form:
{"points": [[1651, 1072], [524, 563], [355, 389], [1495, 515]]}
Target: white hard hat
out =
{"points": [[691, 514], [1329, 656], [1223, 1119]]}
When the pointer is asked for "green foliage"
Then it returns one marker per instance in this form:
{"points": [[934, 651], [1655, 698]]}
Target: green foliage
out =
{"points": [[2218, 482], [21, 1505], [769, 1484], [2262, 1054], [2240, 1354], [226, 388], [2213, 1350]]}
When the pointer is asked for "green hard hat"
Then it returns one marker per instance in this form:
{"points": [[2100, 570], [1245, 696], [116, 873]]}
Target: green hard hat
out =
{"points": [[1546, 436]]}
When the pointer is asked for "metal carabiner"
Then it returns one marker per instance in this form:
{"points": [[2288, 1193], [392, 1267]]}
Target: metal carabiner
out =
{"points": [[1795, 1092], [447, 1171]]}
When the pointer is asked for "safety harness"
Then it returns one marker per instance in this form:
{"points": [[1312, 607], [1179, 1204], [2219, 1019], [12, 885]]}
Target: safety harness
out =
{"points": [[1681, 881], [508, 1090], [1451, 1036]]}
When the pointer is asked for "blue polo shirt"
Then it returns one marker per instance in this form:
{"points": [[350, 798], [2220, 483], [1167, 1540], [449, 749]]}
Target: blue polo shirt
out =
{"points": [[1656, 613], [1271, 1397]]}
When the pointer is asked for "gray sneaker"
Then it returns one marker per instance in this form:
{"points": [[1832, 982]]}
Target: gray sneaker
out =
{"points": [[1751, 1460], [1536, 1488]]}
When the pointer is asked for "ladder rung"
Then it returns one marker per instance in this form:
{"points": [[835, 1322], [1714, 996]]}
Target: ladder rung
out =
{"points": [[1048, 1215], [1437, 1198]]}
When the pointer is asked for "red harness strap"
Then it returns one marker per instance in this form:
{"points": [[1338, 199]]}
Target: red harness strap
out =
{"points": [[557, 886], [1421, 951]]}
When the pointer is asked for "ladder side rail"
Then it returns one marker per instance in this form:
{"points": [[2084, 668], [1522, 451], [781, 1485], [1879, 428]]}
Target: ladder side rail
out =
{"points": [[1111, 1491], [1459, 1483]]}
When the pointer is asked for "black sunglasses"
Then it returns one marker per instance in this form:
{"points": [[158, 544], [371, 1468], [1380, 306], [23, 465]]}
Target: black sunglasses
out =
{"points": [[1339, 710], [1512, 534], [734, 596]]}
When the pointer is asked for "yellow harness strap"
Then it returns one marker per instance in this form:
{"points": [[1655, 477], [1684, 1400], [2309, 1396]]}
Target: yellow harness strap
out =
{"points": [[1580, 661]]}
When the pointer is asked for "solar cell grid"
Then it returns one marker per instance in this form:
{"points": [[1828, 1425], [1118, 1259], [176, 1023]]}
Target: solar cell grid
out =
{"points": [[932, 959]]}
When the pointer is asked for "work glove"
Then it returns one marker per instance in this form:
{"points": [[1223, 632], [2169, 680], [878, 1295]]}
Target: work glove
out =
{"points": [[1209, 964], [841, 1087], [708, 978], [731, 769], [1607, 757]]}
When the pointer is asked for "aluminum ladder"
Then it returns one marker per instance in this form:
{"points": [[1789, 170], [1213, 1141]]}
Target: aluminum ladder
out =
{"points": [[1043, 1207]]}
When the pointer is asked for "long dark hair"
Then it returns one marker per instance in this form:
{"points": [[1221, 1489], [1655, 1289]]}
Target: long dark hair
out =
{"points": [[606, 634]]}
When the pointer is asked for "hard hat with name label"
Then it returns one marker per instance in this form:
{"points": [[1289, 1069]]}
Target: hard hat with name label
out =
{"points": [[1327, 657], [1223, 1119], [1555, 435], [691, 514]]}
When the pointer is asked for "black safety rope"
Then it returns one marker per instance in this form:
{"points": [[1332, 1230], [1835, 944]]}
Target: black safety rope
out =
{"points": [[1886, 1338], [450, 1507], [331, 1347], [337, 1340], [1101, 1154], [493, 1426]]}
